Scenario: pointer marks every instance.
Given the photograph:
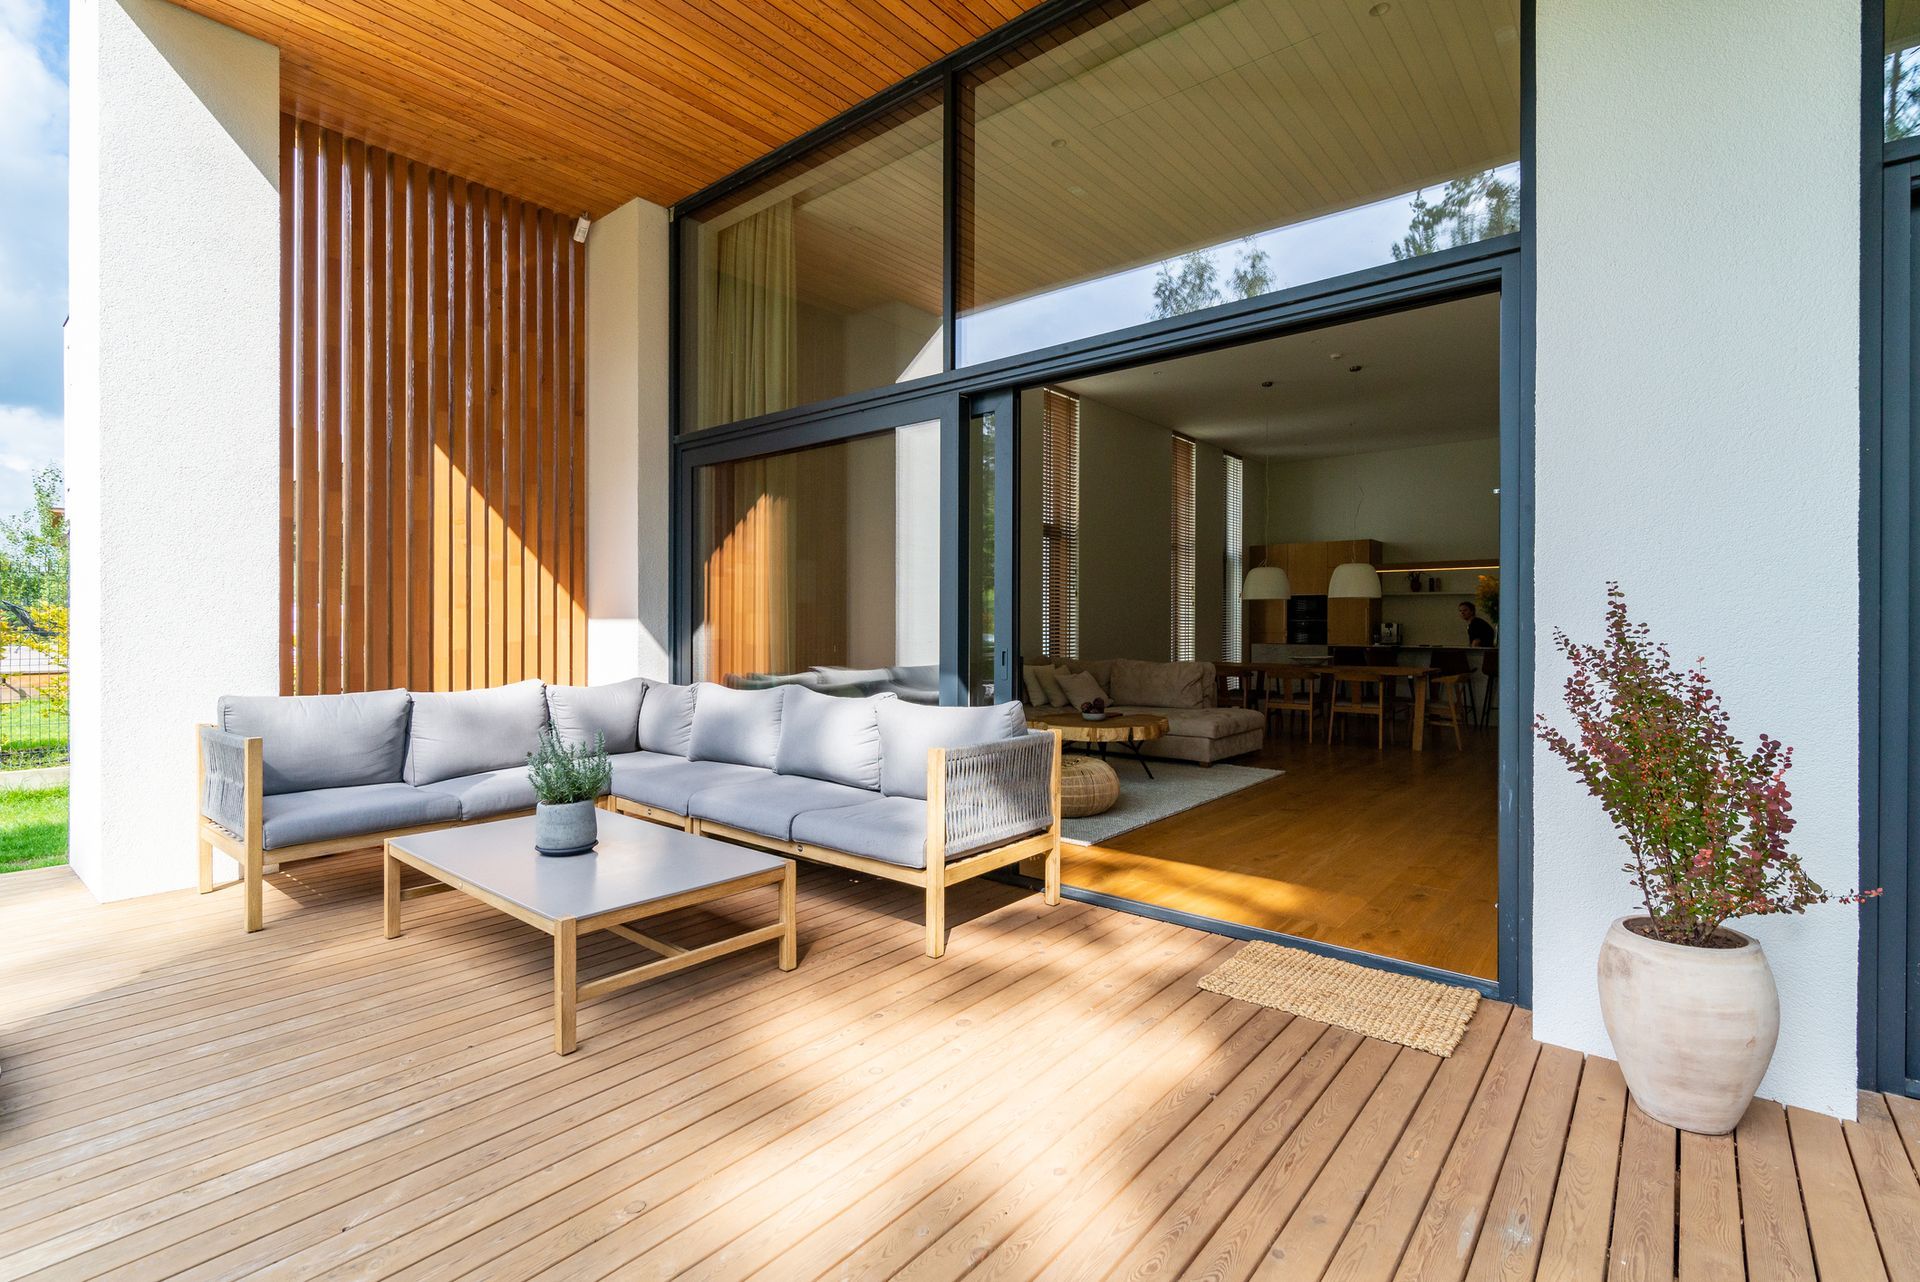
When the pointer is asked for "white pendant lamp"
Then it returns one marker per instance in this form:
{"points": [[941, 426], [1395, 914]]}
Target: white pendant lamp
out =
{"points": [[1354, 579], [1267, 583]]}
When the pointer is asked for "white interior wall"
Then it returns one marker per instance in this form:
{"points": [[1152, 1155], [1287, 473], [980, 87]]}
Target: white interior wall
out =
{"points": [[1697, 439], [173, 429], [627, 469]]}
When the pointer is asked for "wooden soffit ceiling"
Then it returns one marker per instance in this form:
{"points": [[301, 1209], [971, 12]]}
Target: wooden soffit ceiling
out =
{"points": [[581, 105]]}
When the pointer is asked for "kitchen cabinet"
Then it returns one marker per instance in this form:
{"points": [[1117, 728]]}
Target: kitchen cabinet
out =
{"points": [[1309, 566]]}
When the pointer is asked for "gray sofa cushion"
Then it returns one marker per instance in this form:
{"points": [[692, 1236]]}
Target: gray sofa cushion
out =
{"points": [[666, 718], [889, 828], [466, 732], [670, 784], [824, 737], [293, 818], [322, 740], [491, 792], [580, 712], [1187, 684], [628, 764], [767, 806], [909, 730], [741, 727]]}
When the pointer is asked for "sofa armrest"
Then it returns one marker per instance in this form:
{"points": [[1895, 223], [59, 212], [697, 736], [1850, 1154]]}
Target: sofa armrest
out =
{"points": [[230, 785], [993, 793]]}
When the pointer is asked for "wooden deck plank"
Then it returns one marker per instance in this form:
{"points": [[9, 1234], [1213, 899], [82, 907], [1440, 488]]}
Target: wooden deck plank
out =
{"points": [[1054, 1099], [1509, 1246], [1442, 1242], [1710, 1248], [1837, 1219], [1580, 1223], [1888, 1182], [1773, 1220], [1366, 1241], [1644, 1202]]}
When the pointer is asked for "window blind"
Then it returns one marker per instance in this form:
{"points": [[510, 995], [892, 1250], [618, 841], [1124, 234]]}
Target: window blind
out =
{"points": [[1232, 608], [1060, 524], [1181, 644]]}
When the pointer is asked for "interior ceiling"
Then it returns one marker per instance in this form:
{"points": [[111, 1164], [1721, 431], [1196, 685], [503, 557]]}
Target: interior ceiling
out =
{"points": [[1427, 376], [581, 105]]}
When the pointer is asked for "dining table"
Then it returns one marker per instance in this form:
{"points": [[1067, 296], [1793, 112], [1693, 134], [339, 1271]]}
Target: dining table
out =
{"points": [[1387, 674]]}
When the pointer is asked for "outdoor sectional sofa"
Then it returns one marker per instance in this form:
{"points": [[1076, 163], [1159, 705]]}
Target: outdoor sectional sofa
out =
{"points": [[873, 784]]}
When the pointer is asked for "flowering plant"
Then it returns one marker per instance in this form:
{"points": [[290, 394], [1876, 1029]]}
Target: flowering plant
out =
{"points": [[1486, 596], [1705, 820]]}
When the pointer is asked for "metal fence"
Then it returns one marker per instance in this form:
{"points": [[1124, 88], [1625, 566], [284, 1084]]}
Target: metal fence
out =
{"points": [[33, 685]]}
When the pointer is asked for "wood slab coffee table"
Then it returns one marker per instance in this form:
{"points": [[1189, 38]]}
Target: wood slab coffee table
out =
{"points": [[639, 870], [1131, 730]]}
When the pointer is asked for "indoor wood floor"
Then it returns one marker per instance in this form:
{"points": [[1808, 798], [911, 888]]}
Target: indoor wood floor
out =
{"points": [[1055, 1098], [1387, 851]]}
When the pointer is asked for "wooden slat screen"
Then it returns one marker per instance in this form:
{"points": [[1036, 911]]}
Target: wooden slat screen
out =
{"points": [[433, 483], [1180, 645], [1060, 524]]}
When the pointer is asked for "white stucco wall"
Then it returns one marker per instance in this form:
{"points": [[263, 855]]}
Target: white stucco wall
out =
{"points": [[173, 437], [1697, 439], [627, 467]]}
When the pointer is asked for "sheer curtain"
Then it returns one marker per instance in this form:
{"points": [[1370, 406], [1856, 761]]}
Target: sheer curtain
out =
{"points": [[747, 356]]}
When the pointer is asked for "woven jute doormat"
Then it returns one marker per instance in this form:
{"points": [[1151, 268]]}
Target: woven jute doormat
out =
{"points": [[1420, 1013]]}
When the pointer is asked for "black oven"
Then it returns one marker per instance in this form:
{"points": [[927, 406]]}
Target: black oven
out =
{"points": [[1307, 620]]}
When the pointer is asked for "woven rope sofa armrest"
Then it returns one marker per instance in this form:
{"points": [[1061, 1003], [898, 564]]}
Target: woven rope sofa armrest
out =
{"points": [[223, 779], [996, 792]]}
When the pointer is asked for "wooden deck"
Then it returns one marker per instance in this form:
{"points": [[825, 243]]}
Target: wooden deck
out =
{"points": [[1053, 1099]]}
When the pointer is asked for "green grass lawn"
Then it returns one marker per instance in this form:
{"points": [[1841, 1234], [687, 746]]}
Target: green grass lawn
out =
{"points": [[31, 735], [33, 829]]}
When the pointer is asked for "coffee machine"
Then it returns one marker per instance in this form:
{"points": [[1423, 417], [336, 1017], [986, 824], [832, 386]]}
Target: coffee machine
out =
{"points": [[1389, 634]]}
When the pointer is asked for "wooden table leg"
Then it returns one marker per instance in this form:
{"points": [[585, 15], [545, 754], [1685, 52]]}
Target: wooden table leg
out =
{"points": [[1419, 713], [790, 937], [392, 879], [566, 985]]}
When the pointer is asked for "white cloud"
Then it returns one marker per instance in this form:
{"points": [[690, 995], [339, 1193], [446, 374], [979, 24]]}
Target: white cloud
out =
{"points": [[30, 439], [33, 202]]}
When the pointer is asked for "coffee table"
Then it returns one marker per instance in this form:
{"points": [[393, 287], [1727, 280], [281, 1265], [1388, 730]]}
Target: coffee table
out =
{"points": [[1132, 730], [639, 870]]}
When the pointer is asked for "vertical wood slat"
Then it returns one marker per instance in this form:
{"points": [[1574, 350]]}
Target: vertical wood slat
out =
{"points": [[433, 469]]}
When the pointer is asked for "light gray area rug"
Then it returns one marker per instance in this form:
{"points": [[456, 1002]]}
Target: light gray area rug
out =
{"points": [[1175, 786]]}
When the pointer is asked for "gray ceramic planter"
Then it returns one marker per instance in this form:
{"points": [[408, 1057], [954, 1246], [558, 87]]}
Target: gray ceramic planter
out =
{"points": [[568, 829]]}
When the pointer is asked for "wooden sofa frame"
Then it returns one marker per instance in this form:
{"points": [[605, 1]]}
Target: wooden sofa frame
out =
{"points": [[248, 848], [933, 879]]}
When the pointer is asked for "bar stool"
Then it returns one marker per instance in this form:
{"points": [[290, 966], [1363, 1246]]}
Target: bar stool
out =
{"points": [[1489, 697]]}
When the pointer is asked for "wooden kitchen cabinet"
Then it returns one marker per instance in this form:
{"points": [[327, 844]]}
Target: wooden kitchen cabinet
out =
{"points": [[1309, 567]]}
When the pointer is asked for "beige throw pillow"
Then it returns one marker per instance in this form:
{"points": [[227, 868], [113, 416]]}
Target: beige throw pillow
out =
{"points": [[1082, 689], [1050, 685]]}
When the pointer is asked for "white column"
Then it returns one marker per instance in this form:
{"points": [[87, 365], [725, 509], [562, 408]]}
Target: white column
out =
{"points": [[173, 434], [1697, 438], [627, 466]]}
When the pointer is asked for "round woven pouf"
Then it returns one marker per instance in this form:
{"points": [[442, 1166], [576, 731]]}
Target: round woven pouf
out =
{"points": [[1088, 786]]}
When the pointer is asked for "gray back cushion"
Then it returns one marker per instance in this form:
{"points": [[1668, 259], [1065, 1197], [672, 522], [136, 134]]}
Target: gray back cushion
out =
{"points": [[322, 740], [838, 740], [580, 712], [463, 732], [666, 718], [739, 726], [908, 731]]}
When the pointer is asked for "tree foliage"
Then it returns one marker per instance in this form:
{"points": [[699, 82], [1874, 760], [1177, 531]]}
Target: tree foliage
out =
{"points": [[1192, 281], [33, 546], [1470, 209]]}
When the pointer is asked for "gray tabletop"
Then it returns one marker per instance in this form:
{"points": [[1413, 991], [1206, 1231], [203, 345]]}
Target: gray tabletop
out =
{"points": [[635, 863]]}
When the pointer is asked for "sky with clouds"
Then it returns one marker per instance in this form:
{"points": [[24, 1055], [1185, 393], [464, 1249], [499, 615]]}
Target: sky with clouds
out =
{"points": [[33, 240]]}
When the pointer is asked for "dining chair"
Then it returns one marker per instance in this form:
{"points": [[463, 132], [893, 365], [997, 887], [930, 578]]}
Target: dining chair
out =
{"points": [[1293, 695], [1354, 705], [1448, 702]]}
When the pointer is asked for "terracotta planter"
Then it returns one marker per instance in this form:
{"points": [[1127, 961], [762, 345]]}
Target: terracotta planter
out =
{"points": [[1693, 1028]]}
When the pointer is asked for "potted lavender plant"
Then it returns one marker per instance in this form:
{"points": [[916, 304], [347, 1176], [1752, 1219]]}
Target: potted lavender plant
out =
{"points": [[567, 778], [1689, 1003]]}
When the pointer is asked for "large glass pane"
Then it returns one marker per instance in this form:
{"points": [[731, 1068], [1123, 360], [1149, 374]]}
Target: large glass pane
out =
{"points": [[821, 567], [984, 426], [1153, 159], [1900, 103], [819, 280]]}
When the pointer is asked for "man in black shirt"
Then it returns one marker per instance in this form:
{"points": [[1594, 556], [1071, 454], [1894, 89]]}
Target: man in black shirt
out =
{"points": [[1479, 631]]}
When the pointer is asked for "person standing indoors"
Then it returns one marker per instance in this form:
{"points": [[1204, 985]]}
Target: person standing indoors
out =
{"points": [[1479, 631]]}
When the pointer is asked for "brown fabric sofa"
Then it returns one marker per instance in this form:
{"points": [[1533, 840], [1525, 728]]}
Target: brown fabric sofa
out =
{"points": [[1183, 693]]}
